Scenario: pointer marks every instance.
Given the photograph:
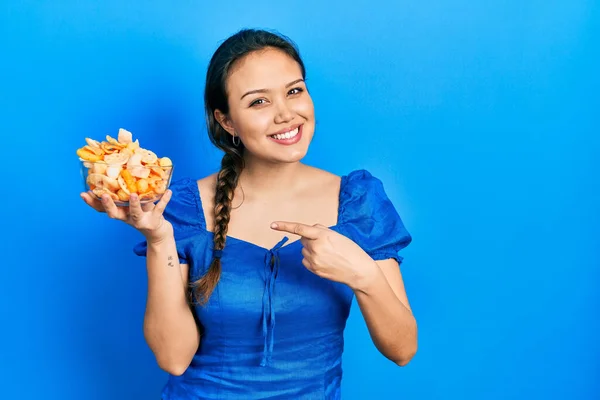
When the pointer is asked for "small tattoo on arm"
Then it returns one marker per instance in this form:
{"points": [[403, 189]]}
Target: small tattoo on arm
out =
{"points": [[170, 261]]}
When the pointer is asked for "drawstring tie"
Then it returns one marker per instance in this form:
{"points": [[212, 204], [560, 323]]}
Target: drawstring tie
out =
{"points": [[271, 269]]}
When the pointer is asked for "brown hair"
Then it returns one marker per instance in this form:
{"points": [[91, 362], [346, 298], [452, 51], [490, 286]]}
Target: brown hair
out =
{"points": [[229, 52]]}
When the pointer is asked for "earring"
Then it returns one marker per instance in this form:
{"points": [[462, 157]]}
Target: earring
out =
{"points": [[236, 144]]}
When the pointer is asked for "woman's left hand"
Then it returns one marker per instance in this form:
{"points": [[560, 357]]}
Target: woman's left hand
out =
{"points": [[330, 254]]}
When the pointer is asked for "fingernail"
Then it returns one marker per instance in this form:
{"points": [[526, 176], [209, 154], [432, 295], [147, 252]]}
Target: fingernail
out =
{"points": [[133, 197], [274, 225]]}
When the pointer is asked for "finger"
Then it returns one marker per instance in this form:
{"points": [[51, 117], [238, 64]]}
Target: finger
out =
{"points": [[307, 243], [307, 264], [111, 208], [92, 202], [306, 253], [159, 208], [135, 208], [307, 231]]}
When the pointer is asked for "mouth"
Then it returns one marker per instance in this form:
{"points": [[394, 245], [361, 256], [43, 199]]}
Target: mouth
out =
{"points": [[289, 136]]}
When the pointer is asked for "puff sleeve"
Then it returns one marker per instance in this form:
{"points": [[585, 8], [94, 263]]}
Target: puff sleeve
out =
{"points": [[368, 217], [182, 213]]}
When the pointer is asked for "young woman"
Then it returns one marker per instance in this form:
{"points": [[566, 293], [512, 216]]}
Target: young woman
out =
{"points": [[252, 270]]}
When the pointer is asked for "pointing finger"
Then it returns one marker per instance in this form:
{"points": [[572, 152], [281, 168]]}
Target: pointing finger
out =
{"points": [[307, 231]]}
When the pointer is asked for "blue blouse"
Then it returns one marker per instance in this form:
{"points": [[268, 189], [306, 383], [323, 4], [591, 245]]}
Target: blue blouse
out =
{"points": [[272, 329]]}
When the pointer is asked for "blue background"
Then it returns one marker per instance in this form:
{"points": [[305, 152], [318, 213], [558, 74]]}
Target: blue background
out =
{"points": [[481, 119]]}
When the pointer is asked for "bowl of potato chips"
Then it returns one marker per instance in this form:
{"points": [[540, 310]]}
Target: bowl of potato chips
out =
{"points": [[119, 167]]}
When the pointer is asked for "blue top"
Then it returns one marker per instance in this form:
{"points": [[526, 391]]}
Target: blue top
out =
{"points": [[274, 333]]}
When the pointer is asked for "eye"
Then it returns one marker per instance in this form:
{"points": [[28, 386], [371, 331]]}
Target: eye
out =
{"points": [[257, 102], [296, 90]]}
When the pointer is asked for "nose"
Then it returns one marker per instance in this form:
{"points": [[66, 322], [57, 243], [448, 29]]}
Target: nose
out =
{"points": [[284, 113]]}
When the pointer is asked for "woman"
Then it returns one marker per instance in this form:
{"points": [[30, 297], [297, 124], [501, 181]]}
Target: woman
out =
{"points": [[252, 270]]}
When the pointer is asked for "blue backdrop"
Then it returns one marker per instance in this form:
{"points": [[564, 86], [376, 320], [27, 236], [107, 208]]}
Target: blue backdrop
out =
{"points": [[481, 119]]}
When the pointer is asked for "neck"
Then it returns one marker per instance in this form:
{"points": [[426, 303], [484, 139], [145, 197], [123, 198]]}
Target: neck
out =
{"points": [[259, 176]]}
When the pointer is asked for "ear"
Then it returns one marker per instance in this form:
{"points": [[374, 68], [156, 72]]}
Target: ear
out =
{"points": [[224, 121]]}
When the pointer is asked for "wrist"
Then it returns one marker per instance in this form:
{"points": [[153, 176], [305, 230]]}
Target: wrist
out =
{"points": [[158, 242], [366, 279], [161, 234]]}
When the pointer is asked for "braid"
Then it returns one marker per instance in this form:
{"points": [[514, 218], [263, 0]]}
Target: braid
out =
{"points": [[227, 180]]}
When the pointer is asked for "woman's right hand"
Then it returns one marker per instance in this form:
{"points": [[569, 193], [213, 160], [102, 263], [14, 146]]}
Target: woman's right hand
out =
{"points": [[147, 218]]}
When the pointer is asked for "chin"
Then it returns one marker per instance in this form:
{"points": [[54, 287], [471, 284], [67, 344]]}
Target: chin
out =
{"points": [[291, 158]]}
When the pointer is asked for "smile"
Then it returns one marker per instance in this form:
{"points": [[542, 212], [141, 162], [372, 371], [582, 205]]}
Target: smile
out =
{"points": [[286, 135], [291, 136]]}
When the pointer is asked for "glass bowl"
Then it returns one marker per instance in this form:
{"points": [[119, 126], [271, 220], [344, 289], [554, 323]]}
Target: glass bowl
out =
{"points": [[149, 182]]}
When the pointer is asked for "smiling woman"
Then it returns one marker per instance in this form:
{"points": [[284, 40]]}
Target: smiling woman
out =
{"points": [[233, 312]]}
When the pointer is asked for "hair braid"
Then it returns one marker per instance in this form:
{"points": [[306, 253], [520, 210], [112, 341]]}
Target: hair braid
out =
{"points": [[227, 180]]}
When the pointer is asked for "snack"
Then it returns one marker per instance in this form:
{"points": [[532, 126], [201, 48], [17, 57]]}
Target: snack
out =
{"points": [[120, 167]]}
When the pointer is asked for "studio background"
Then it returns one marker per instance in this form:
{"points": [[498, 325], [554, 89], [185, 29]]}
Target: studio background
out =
{"points": [[480, 118]]}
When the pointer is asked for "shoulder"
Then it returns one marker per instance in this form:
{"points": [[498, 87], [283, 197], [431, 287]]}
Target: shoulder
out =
{"points": [[368, 216], [183, 208], [207, 184], [357, 187], [361, 179], [188, 188], [321, 179], [362, 195], [362, 183], [360, 192], [205, 188]]}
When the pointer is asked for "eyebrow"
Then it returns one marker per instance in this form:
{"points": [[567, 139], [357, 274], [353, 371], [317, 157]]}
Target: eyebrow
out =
{"points": [[265, 90]]}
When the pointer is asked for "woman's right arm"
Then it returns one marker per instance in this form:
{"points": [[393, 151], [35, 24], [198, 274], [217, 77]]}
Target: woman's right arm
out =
{"points": [[169, 325]]}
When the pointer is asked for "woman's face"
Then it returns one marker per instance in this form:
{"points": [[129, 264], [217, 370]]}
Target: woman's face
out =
{"points": [[269, 107]]}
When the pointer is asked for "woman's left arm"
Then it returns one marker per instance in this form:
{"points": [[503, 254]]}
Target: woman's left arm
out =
{"points": [[378, 286], [384, 305]]}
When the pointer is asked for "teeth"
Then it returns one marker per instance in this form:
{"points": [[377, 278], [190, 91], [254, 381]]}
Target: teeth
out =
{"points": [[287, 135]]}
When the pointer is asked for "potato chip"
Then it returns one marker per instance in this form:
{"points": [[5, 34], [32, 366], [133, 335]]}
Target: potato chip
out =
{"points": [[133, 146], [99, 168], [134, 161], [113, 171], [160, 187], [158, 171], [148, 157], [123, 185], [124, 136], [114, 142], [102, 181], [100, 191], [92, 143], [109, 148], [147, 196], [87, 155], [165, 162], [122, 195], [116, 158]]}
